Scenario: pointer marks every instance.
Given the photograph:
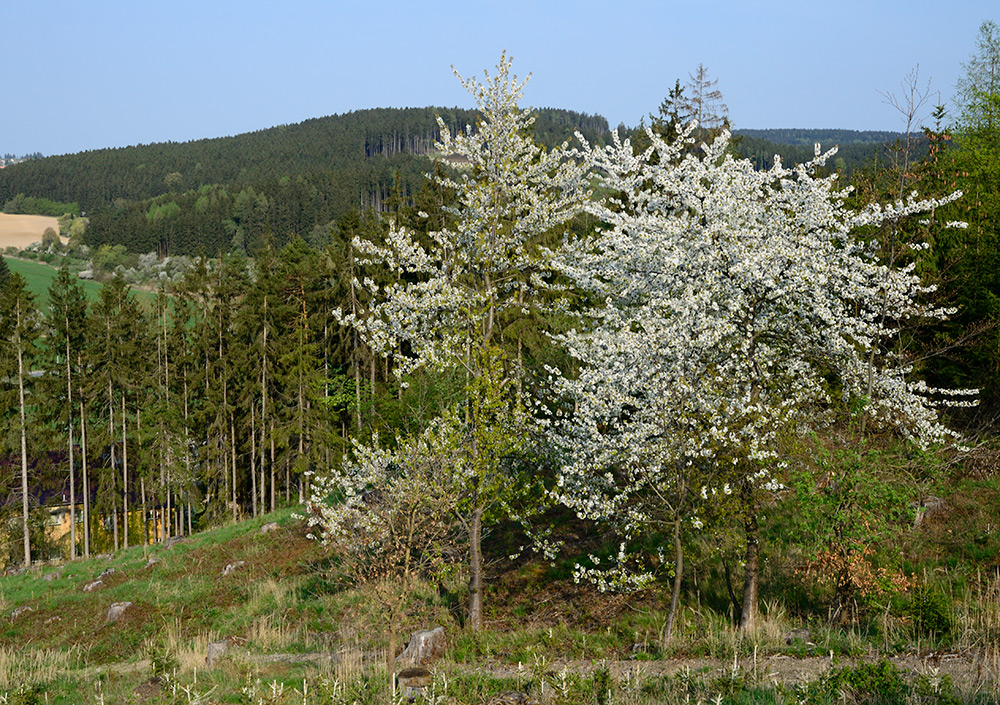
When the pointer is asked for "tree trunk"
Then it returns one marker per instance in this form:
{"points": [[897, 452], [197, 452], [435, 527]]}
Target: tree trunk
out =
{"points": [[24, 441], [675, 595], [476, 571], [232, 440], [86, 481], [72, 475], [253, 458], [748, 619], [145, 523], [273, 490], [124, 478]]}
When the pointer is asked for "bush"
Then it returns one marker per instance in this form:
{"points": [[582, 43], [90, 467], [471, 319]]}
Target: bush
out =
{"points": [[874, 683], [930, 612]]}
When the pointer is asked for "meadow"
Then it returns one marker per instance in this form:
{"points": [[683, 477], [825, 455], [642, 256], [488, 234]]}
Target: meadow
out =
{"points": [[294, 633]]}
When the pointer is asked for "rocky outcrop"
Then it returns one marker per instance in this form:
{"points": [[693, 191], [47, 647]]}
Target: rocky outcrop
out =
{"points": [[117, 610], [216, 650], [23, 609], [232, 568], [426, 646]]}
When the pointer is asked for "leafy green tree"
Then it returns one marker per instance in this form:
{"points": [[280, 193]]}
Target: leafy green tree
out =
{"points": [[976, 89]]}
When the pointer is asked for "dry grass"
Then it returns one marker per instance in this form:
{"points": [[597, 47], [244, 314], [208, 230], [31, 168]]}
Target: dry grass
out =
{"points": [[190, 652], [978, 618], [22, 665], [21, 230]]}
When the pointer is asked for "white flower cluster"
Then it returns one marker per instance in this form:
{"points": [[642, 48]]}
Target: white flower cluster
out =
{"points": [[452, 292], [739, 306]]}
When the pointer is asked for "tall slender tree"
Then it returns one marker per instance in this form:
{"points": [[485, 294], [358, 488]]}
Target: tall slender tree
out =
{"points": [[66, 322], [453, 286], [20, 327]]}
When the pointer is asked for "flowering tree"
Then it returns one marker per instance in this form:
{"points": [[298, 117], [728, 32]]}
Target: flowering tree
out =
{"points": [[452, 289], [386, 513], [740, 307]]}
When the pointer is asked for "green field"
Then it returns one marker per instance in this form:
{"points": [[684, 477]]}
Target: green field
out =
{"points": [[40, 277]]}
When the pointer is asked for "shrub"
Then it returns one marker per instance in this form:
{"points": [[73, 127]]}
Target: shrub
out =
{"points": [[930, 612]]}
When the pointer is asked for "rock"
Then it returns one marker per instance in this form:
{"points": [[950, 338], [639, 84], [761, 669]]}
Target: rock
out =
{"points": [[15, 569], [52, 576], [173, 541], [231, 568], [269, 527], [151, 562], [150, 690], [117, 610], [414, 682], [93, 585], [927, 509], [796, 635], [216, 650], [106, 573], [53, 620], [86, 274], [23, 609], [425, 646]]}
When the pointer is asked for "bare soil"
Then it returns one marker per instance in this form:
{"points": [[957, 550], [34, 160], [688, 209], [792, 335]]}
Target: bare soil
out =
{"points": [[21, 230]]}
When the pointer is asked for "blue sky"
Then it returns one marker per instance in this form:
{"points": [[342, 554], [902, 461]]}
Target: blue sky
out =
{"points": [[85, 75]]}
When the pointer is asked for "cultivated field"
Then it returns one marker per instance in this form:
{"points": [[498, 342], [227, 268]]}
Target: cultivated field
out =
{"points": [[21, 230]]}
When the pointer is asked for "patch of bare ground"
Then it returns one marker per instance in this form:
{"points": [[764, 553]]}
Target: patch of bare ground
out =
{"points": [[21, 230]]}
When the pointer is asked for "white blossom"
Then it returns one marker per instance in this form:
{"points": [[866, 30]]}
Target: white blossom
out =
{"points": [[738, 306]]}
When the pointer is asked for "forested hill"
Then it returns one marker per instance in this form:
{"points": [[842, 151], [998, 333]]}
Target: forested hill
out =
{"points": [[807, 138], [856, 149], [212, 194]]}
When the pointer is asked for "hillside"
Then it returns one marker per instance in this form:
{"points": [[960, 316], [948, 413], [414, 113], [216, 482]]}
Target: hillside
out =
{"points": [[290, 627], [808, 137], [856, 149], [214, 195]]}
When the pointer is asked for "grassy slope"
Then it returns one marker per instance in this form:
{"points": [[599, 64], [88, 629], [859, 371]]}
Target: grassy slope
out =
{"points": [[282, 600], [40, 277]]}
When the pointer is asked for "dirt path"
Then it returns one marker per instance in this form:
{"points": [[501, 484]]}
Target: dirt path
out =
{"points": [[21, 230], [969, 672]]}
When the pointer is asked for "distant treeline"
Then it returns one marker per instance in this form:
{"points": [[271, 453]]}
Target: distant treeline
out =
{"points": [[855, 149], [214, 195], [32, 205]]}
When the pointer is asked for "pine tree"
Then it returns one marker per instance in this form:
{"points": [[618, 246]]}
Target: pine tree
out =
{"points": [[66, 322], [19, 330]]}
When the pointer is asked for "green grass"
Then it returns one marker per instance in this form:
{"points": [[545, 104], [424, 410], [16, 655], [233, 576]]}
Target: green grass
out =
{"points": [[573, 645], [40, 276]]}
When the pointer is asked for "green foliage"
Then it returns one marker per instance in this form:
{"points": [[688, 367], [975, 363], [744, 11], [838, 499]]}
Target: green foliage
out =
{"points": [[108, 258], [930, 611], [242, 189], [162, 660], [32, 205], [871, 683]]}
